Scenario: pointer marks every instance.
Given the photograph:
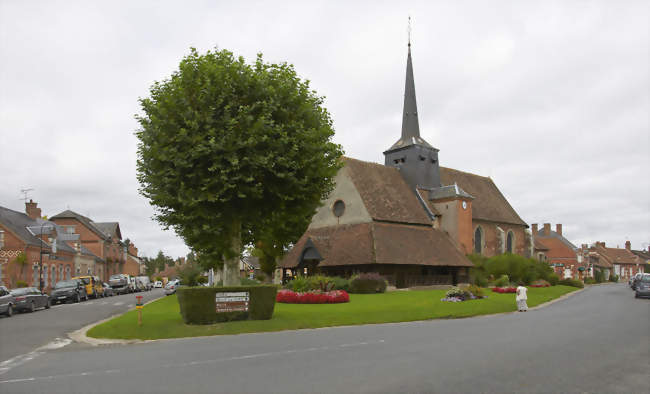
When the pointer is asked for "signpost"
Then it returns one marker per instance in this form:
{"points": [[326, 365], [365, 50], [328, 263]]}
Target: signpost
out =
{"points": [[236, 301], [138, 306]]}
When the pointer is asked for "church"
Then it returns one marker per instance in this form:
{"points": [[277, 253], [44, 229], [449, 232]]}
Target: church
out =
{"points": [[410, 220]]}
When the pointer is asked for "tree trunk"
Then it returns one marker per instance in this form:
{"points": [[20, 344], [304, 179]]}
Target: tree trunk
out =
{"points": [[231, 266]]}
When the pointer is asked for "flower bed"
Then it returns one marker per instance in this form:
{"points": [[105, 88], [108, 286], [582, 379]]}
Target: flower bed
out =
{"points": [[541, 285], [456, 294], [504, 289], [312, 297]]}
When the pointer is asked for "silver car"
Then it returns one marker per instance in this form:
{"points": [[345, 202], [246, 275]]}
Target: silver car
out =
{"points": [[642, 286], [171, 286], [7, 302], [29, 299]]}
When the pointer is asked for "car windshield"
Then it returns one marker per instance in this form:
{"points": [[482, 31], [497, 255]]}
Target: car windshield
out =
{"points": [[85, 280], [66, 283], [21, 291], [645, 279], [118, 276]]}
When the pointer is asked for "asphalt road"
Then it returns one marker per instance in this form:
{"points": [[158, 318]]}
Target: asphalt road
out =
{"points": [[597, 341], [24, 332]]}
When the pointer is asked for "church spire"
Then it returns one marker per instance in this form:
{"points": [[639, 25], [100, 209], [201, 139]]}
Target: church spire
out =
{"points": [[410, 124]]}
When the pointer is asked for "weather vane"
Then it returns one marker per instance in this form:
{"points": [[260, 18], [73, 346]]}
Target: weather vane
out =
{"points": [[409, 30]]}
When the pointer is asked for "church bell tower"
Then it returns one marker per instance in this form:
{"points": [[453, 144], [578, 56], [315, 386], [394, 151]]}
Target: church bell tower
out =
{"points": [[416, 160]]}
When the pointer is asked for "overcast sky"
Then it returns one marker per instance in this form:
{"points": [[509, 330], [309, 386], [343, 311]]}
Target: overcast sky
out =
{"points": [[550, 99]]}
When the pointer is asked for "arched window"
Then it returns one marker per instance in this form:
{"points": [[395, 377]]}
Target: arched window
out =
{"points": [[478, 240], [35, 275], [67, 272], [61, 272], [53, 275], [510, 241]]}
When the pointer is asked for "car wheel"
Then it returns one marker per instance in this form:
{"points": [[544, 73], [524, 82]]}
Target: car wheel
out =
{"points": [[94, 295], [48, 304], [10, 310], [636, 295], [78, 299], [32, 307]]}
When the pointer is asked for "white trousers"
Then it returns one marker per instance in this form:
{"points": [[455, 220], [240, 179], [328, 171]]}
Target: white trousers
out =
{"points": [[521, 305]]}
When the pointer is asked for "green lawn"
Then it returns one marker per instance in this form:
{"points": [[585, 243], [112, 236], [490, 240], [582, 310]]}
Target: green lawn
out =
{"points": [[161, 319]]}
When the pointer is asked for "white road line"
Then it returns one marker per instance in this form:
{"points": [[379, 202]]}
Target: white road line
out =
{"points": [[191, 363], [118, 303], [14, 362]]}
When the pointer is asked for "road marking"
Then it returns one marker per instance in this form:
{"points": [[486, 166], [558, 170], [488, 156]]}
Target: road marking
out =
{"points": [[118, 303], [190, 363], [14, 362]]}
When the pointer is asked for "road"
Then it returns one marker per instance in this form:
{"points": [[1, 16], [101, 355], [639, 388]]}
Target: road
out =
{"points": [[596, 341], [24, 332]]}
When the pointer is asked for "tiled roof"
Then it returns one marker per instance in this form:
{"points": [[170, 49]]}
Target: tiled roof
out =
{"points": [[109, 228], [17, 222], [643, 254], [68, 214], [385, 193], [618, 256], [539, 244], [489, 203], [378, 243]]}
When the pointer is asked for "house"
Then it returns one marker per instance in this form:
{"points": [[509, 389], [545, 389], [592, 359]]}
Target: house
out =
{"points": [[621, 262], [565, 258], [33, 249], [104, 240], [643, 255], [410, 219]]}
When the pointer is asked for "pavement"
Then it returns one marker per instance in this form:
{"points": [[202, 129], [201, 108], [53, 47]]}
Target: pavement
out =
{"points": [[597, 341], [25, 332]]}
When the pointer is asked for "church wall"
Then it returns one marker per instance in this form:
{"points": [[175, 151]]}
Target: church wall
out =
{"points": [[457, 222], [491, 242], [346, 191]]}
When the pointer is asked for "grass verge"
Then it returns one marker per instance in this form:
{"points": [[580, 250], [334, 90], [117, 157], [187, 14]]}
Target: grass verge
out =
{"points": [[162, 319]]}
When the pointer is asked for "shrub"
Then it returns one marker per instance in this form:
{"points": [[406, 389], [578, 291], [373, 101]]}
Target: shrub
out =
{"points": [[540, 283], [368, 283], [599, 276], [503, 281], [504, 289], [299, 284], [158, 278], [340, 283], [190, 274], [589, 280], [202, 280], [571, 282], [261, 276], [197, 304], [312, 297], [553, 279], [613, 278], [477, 291], [248, 282], [455, 292], [21, 283]]}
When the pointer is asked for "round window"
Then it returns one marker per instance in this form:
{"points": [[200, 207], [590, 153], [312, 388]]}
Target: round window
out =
{"points": [[338, 208]]}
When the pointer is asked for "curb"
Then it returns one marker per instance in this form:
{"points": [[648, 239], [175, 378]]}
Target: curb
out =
{"points": [[80, 336]]}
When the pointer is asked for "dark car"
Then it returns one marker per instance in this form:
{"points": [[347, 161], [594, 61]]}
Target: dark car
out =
{"points": [[65, 290], [108, 290], [642, 286], [29, 299], [635, 279], [6, 302]]}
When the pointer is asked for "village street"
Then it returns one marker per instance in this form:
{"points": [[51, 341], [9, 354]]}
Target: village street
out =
{"points": [[594, 341]]}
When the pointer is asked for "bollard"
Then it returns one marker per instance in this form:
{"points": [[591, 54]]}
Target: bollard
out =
{"points": [[138, 306]]}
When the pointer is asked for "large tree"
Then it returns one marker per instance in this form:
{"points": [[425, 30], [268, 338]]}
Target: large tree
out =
{"points": [[232, 153]]}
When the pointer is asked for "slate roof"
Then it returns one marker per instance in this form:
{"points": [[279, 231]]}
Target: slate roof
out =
{"points": [[385, 193], [643, 254], [378, 243], [68, 214], [489, 204], [109, 228], [27, 229]]}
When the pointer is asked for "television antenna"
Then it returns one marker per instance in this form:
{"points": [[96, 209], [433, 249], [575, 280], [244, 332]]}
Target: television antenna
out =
{"points": [[25, 191]]}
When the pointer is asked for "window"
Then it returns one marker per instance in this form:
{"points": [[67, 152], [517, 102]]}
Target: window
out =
{"points": [[60, 271], [2, 238], [53, 275], [478, 240], [67, 273], [1, 282], [510, 241], [339, 208], [35, 274], [45, 273]]}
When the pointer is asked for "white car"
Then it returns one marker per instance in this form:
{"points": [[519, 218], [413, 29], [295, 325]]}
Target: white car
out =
{"points": [[157, 284], [172, 286]]}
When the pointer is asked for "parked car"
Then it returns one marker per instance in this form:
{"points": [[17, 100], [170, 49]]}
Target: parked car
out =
{"points": [[29, 299], [146, 282], [634, 279], [108, 291], [73, 290], [172, 285], [92, 284], [6, 302], [120, 283], [157, 284], [642, 287]]}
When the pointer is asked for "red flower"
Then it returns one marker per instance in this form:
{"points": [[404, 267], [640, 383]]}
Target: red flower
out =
{"points": [[312, 297]]}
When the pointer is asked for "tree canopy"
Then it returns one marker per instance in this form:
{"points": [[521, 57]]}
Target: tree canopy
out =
{"points": [[230, 151]]}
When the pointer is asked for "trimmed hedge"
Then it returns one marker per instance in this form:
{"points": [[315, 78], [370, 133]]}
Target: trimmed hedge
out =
{"points": [[197, 304], [368, 283], [571, 282]]}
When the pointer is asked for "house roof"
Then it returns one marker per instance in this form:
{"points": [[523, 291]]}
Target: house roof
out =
{"points": [[68, 214], [618, 255], [109, 228], [378, 243], [27, 229], [489, 204], [252, 261], [539, 244], [385, 193], [643, 254]]}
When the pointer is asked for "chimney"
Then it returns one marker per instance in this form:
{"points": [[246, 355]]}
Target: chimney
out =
{"points": [[534, 228], [628, 245], [558, 228], [547, 228], [31, 210]]}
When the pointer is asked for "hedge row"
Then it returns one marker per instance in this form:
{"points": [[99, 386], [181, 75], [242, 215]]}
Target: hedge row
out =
{"points": [[197, 304]]}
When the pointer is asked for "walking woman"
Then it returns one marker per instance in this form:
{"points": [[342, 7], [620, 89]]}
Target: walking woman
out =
{"points": [[522, 296]]}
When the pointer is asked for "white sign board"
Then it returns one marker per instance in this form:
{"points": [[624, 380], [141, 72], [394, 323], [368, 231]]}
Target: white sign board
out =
{"points": [[236, 301]]}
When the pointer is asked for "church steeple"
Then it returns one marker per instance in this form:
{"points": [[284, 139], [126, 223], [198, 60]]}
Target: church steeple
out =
{"points": [[412, 155]]}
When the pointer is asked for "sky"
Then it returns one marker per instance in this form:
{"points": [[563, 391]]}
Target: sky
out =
{"points": [[550, 99]]}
